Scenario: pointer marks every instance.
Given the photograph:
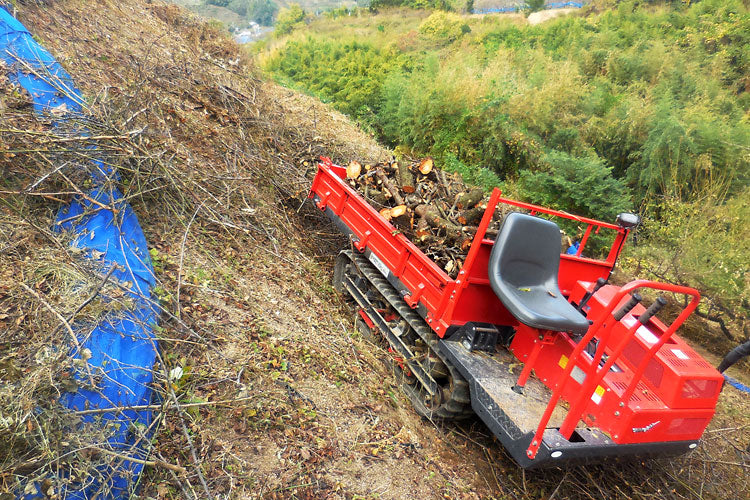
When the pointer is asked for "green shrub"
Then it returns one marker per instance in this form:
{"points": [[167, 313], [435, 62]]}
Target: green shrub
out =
{"points": [[444, 27], [349, 73], [704, 245], [483, 177], [584, 186]]}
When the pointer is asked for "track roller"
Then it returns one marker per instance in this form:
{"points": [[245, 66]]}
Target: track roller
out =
{"points": [[450, 398]]}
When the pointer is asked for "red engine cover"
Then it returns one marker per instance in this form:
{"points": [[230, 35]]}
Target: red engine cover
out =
{"points": [[675, 400]]}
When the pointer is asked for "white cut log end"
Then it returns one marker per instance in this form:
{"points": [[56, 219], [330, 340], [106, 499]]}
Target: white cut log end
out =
{"points": [[353, 170]]}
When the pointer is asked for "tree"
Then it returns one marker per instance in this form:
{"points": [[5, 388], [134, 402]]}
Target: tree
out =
{"points": [[239, 7], [535, 5], [289, 19], [443, 27], [262, 11]]}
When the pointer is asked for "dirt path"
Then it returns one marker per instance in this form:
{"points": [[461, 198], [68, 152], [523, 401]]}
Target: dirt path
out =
{"points": [[546, 15], [332, 422]]}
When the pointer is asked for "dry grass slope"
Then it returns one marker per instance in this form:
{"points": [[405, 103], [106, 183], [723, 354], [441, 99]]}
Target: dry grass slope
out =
{"points": [[279, 398]]}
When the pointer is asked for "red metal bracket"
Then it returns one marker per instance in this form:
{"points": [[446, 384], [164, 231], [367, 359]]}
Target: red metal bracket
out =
{"points": [[321, 204], [413, 299], [546, 337], [367, 320], [362, 242], [336, 170]]}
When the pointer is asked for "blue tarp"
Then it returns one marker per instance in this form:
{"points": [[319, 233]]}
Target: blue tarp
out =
{"points": [[736, 384], [123, 346]]}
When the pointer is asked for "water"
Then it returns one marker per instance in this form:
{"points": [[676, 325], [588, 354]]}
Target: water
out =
{"points": [[252, 33]]}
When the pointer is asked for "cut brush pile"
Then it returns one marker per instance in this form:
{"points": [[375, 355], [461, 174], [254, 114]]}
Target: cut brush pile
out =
{"points": [[184, 126], [45, 293]]}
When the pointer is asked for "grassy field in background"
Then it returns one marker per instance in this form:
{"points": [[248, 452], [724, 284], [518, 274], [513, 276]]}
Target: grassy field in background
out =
{"points": [[619, 106]]}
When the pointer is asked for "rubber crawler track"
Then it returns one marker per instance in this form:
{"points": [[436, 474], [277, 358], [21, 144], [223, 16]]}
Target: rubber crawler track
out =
{"points": [[457, 399]]}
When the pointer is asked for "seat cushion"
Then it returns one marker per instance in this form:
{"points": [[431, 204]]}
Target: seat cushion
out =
{"points": [[523, 270], [535, 306]]}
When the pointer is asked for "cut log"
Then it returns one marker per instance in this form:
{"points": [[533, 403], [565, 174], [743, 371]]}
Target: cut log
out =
{"points": [[469, 199], [398, 211], [472, 216], [430, 214], [402, 219], [425, 166], [413, 200], [405, 178], [376, 197], [387, 184], [353, 170]]}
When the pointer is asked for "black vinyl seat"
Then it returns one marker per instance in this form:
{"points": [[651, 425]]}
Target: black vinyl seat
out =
{"points": [[523, 273]]}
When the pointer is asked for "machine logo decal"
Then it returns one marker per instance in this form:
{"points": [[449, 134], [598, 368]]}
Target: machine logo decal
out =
{"points": [[379, 264], [647, 428]]}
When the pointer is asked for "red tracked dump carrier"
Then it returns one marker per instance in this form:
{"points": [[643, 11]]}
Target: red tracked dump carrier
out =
{"points": [[559, 364]]}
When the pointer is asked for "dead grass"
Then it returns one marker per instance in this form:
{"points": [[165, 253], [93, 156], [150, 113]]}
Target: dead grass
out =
{"points": [[279, 398]]}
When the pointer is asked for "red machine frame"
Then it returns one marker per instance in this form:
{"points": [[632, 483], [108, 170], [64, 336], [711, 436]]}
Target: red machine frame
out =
{"points": [[617, 391]]}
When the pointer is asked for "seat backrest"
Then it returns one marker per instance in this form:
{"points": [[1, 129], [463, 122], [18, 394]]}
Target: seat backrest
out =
{"points": [[526, 253]]}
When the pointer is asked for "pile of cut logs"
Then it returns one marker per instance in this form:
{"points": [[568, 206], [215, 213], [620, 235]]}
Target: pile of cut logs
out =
{"points": [[434, 209]]}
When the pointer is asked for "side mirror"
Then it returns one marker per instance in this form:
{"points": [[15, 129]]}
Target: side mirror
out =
{"points": [[627, 220]]}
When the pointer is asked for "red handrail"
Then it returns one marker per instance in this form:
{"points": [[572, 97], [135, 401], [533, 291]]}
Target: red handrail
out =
{"points": [[591, 223], [489, 212], [593, 378], [558, 213], [456, 287]]}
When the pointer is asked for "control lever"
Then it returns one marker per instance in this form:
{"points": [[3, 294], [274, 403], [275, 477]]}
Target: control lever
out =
{"points": [[655, 308], [600, 282], [634, 300]]}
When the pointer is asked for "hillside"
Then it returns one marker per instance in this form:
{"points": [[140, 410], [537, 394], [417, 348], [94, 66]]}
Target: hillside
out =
{"points": [[277, 396]]}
